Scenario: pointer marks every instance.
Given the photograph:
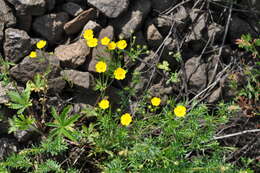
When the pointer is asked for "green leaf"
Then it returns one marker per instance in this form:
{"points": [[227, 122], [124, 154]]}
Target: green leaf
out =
{"points": [[65, 112], [69, 135], [72, 120], [55, 115], [14, 96]]}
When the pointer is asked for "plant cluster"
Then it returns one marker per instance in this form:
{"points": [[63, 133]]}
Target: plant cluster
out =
{"points": [[155, 137]]}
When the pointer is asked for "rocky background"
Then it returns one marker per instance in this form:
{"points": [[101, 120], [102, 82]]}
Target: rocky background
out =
{"points": [[203, 31]]}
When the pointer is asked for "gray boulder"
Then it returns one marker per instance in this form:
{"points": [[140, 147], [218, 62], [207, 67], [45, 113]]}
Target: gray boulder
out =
{"points": [[17, 44], [29, 6], [3, 92], [111, 8], [79, 79], [50, 26], [201, 30], [238, 27], [153, 36], [6, 14], [24, 22], [160, 6], [100, 50], [133, 18], [75, 25], [72, 55], [29, 67], [72, 9], [196, 73]]}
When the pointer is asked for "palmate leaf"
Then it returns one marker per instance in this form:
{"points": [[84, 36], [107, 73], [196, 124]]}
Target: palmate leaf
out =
{"points": [[20, 122], [15, 97], [65, 112], [73, 119], [55, 114], [63, 124], [69, 134], [19, 101]]}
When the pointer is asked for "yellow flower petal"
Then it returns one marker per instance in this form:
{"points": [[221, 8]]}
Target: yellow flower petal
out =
{"points": [[119, 73], [103, 104], [111, 46], [126, 119], [155, 101], [41, 44], [101, 67], [180, 111], [105, 41], [93, 42], [88, 34], [33, 54], [121, 44]]}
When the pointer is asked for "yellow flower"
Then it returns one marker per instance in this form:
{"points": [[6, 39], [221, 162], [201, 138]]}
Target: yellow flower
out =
{"points": [[119, 73], [33, 54], [103, 104], [88, 34], [126, 119], [121, 44], [105, 41], [101, 67], [111, 46], [41, 44], [180, 111], [155, 101], [93, 42]]}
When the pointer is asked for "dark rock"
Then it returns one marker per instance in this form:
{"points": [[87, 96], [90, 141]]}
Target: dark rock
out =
{"points": [[80, 79], [253, 4], [215, 95], [202, 31], [29, 67], [74, 1], [91, 97], [161, 90], [75, 25], [56, 85], [111, 8], [163, 23], [72, 55], [50, 4], [100, 50], [3, 92], [238, 27], [6, 14], [5, 114], [72, 8], [179, 19], [7, 146], [25, 135], [17, 44], [162, 5], [196, 73], [144, 73], [133, 18], [24, 22], [31, 7], [199, 73], [50, 26]]}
